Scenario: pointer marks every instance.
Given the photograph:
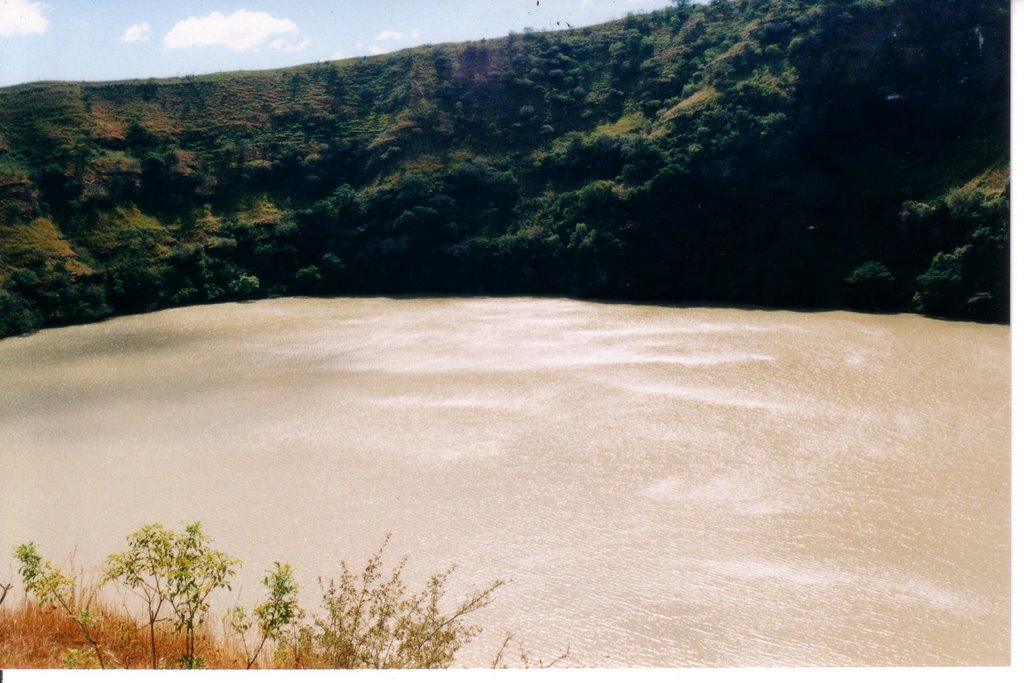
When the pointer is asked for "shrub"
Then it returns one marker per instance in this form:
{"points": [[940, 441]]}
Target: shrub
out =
{"points": [[370, 622], [245, 287], [50, 585], [940, 289], [16, 314], [871, 286]]}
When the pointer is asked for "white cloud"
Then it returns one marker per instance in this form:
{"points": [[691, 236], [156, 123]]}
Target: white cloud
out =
{"points": [[240, 31], [19, 17], [137, 33], [339, 55], [375, 50], [397, 35]]}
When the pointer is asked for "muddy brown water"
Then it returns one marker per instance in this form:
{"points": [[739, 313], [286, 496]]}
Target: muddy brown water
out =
{"points": [[661, 486]]}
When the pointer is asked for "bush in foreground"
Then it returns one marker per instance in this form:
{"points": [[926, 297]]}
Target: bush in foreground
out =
{"points": [[371, 622]]}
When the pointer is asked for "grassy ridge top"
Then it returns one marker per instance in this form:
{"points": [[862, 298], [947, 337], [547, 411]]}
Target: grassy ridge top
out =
{"points": [[777, 152]]}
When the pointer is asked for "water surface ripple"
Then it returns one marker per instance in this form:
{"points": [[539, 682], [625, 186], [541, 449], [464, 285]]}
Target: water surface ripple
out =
{"points": [[663, 486]]}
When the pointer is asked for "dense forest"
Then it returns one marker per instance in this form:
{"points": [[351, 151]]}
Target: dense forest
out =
{"points": [[780, 153]]}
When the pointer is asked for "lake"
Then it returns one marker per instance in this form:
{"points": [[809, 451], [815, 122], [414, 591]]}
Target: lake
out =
{"points": [[662, 486]]}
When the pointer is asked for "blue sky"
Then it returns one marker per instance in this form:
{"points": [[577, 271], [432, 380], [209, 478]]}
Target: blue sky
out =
{"points": [[118, 39]]}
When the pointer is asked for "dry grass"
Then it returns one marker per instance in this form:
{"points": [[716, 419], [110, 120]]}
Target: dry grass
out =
{"points": [[23, 246], [44, 637], [629, 123], [693, 103]]}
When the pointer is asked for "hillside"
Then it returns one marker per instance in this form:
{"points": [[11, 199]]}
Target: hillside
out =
{"points": [[791, 153]]}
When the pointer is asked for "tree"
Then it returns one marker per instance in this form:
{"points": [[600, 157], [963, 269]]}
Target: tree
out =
{"points": [[180, 570], [245, 286], [308, 279], [871, 286], [17, 315], [195, 571], [272, 617], [50, 585], [940, 289], [144, 568]]}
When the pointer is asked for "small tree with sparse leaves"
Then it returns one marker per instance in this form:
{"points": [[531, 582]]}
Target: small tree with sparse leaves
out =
{"points": [[271, 617], [45, 581], [179, 570], [196, 570], [144, 568]]}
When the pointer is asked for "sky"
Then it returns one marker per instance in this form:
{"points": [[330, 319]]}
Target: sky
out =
{"points": [[96, 40]]}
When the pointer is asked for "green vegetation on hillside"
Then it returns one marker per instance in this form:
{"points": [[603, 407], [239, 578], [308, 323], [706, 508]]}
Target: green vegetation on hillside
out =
{"points": [[793, 153]]}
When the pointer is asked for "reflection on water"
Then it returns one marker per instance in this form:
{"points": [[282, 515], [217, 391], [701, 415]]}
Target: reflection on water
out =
{"points": [[663, 486]]}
